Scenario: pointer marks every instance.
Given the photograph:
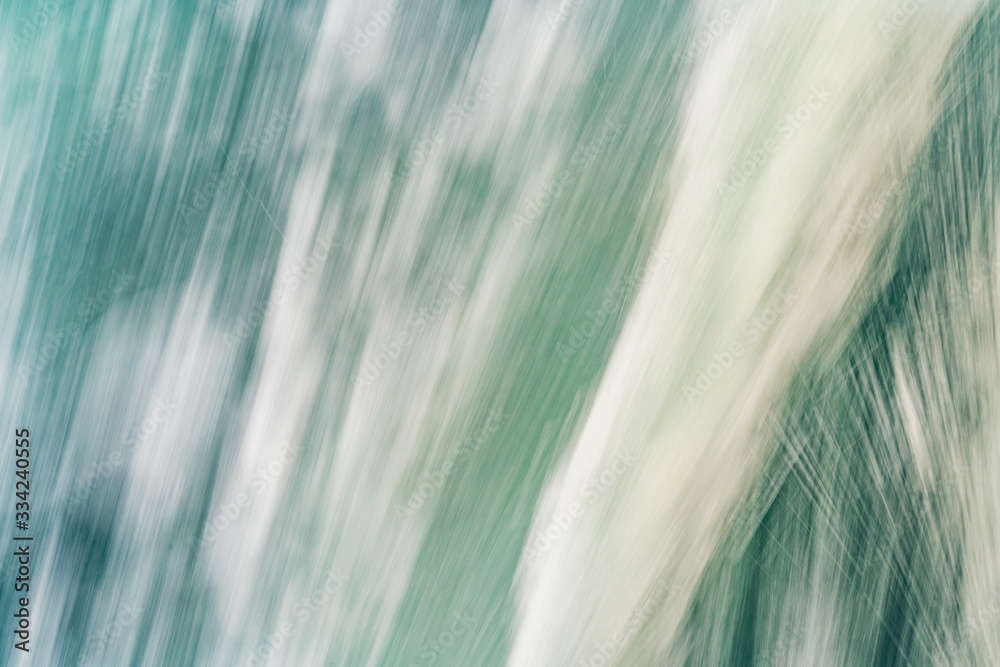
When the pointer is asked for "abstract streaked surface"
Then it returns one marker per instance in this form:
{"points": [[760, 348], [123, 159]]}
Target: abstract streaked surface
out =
{"points": [[396, 333]]}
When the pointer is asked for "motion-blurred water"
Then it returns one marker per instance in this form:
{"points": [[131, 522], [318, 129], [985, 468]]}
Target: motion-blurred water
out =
{"points": [[566, 333]]}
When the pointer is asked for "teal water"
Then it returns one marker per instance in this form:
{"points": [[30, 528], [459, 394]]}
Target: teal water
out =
{"points": [[396, 333]]}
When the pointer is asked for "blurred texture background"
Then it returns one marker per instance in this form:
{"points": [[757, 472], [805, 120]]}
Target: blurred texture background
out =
{"points": [[560, 333]]}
